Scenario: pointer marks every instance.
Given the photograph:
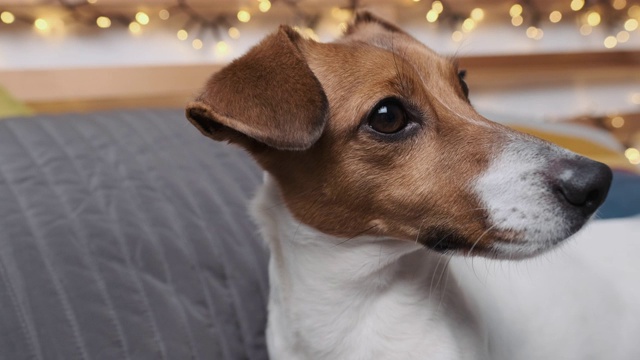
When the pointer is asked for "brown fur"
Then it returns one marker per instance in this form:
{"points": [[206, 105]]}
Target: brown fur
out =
{"points": [[349, 182]]}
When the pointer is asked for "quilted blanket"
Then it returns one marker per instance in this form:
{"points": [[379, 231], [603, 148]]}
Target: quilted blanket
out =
{"points": [[124, 235]]}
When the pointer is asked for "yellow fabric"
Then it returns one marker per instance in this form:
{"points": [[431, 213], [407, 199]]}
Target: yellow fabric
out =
{"points": [[584, 147], [10, 107]]}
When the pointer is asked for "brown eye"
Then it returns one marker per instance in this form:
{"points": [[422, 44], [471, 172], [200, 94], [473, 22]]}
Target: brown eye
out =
{"points": [[388, 117]]}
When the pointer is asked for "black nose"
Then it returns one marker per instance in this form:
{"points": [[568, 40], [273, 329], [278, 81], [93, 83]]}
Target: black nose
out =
{"points": [[581, 183]]}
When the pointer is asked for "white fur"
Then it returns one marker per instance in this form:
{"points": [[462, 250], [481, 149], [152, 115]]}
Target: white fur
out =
{"points": [[374, 298], [518, 198], [365, 298]]}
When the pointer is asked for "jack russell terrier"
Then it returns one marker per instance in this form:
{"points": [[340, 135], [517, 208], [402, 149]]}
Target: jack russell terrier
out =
{"points": [[378, 170]]}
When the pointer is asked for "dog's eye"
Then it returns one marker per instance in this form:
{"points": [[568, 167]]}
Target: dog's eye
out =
{"points": [[388, 117], [463, 84]]}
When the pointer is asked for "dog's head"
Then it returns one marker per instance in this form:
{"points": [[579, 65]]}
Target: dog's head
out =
{"points": [[374, 134]]}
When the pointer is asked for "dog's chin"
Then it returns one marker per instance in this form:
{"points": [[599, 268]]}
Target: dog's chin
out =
{"points": [[507, 244]]}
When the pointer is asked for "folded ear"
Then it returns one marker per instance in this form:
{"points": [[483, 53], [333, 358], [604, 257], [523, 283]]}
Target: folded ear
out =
{"points": [[363, 18], [269, 95]]}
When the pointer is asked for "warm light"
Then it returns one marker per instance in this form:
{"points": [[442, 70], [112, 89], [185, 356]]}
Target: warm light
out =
{"points": [[468, 25], [222, 48], [234, 33], [135, 28], [142, 18], [197, 44], [622, 36], [593, 18], [416, 0], [517, 20], [103, 22], [635, 98], [617, 122], [532, 32], [183, 34], [432, 16], [539, 35], [244, 16], [632, 154], [456, 36], [586, 29], [477, 14], [41, 24], [164, 14], [631, 24], [576, 5], [515, 10], [92, 1], [619, 4], [437, 7], [341, 14], [7, 17], [610, 42], [264, 6], [555, 16], [634, 11]]}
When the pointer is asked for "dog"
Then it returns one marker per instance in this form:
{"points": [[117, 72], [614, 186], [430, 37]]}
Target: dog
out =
{"points": [[377, 171]]}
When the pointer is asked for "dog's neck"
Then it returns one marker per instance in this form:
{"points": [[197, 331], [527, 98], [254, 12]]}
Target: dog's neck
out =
{"points": [[360, 298]]}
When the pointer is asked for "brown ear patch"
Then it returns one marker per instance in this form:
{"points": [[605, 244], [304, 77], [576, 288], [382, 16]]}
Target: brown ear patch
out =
{"points": [[270, 94]]}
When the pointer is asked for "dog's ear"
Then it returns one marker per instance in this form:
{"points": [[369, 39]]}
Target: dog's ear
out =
{"points": [[363, 18], [269, 95]]}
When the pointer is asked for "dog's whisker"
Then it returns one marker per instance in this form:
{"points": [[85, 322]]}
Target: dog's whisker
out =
{"points": [[356, 235]]}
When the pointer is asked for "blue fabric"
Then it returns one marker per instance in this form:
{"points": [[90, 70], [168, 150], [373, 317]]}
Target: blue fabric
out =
{"points": [[624, 196], [124, 235]]}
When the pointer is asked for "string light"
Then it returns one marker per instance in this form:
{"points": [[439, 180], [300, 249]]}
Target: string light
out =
{"points": [[593, 18], [610, 42], [456, 36], [234, 33], [617, 122], [619, 4], [634, 12], [183, 34], [244, 16], [534, 33], [197, 44], [515, 10], [577, 5], [41, 24], [264, 5], [7, 17], [437, 6], [631, 24], [517, 20], [135, 28], [103, 22], [432, 16], [341, 15], [142, 18], [622, 36], [468, 25], [555, 16], [477, 14], [164, 14], [635, 98], [633, 155], [92, 1], [222, 48], [586, 29]]}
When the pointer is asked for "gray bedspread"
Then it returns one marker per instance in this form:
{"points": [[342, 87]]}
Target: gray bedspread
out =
{"points": [[125, 235]]}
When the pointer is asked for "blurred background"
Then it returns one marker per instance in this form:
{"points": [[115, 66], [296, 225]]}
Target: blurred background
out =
{"points": [[573, 64]]}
